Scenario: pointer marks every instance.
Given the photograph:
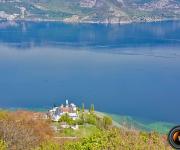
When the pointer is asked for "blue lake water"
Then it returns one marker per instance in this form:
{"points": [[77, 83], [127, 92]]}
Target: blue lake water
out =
{"points": [[123, 69]]}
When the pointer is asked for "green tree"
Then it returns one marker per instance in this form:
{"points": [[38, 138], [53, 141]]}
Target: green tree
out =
{"points": [[92, 108], [91, 119], [82, 118], [67, 119], [83, 108], [107, 121], [79, 121]]}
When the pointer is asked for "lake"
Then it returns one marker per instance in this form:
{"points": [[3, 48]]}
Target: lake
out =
{"points": [[131, 69]]}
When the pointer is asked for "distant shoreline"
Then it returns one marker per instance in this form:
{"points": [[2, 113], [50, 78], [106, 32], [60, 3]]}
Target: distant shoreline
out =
{"points": [[87, 22]]}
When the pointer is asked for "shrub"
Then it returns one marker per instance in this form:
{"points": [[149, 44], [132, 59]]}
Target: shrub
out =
{"points": [[18, 136], [101, 140], [107, 121], [23, 132], [3, 115], [90, 118], [48, 146], [3, 145], [116, 139]]}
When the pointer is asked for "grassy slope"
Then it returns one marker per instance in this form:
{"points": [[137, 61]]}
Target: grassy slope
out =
{"points": [[83, 131]]}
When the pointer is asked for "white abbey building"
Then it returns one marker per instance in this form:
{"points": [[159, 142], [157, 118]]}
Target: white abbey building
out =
{"points": [[56, 112]]}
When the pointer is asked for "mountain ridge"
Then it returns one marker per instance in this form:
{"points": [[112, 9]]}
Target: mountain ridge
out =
{"points": [[90, 11]]}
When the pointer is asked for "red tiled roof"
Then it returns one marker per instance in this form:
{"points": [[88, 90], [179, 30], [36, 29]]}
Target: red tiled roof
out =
{"points": [[66, 109]]}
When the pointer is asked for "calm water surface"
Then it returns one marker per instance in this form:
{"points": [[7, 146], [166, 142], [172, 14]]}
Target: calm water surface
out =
{"points": [[127, 70]]}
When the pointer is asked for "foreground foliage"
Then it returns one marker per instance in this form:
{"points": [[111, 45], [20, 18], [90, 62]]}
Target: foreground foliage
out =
{"points": [[115, 139]]}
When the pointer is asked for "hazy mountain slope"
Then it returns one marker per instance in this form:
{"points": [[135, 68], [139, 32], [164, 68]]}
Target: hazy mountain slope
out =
{"points": [[104, 11]]}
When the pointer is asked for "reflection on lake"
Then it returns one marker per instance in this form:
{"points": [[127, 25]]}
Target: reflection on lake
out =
{"points": [[128, 70]]}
